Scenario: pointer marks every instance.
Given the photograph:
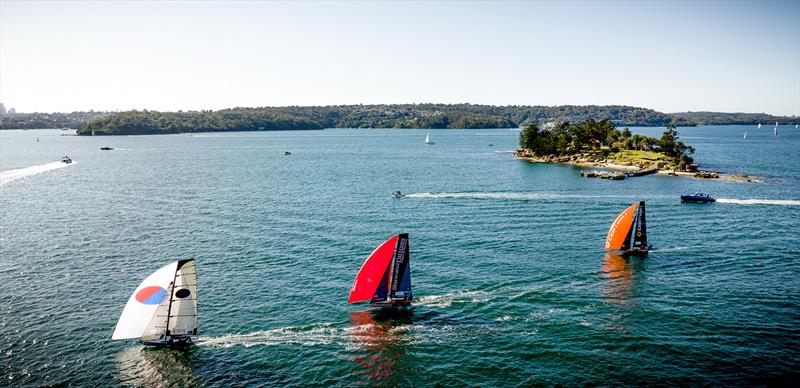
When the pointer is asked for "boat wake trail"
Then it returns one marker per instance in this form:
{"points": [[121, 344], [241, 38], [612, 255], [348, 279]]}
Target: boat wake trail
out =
{"points": [[350, 337], [12, 175], [755, 201], [458, 297], [678, 249], [509, 195], [312, 335]]}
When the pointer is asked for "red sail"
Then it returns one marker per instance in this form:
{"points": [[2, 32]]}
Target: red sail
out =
{"points": [[371, 272]]}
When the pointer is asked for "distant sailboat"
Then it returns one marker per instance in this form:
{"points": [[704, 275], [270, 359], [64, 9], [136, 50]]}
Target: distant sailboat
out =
{"points": [[428, 138], [776, 123], [162, 311], [775, 131], [385, 277], [628, 232], [759, 125], [745, 135]]}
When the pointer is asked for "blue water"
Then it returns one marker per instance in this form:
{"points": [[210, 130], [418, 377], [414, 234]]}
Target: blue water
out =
{"points": [[510, 281]]}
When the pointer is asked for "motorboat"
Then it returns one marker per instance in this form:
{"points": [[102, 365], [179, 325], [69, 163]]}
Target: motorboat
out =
{"points": [[66, 160], [397, 194], [106, 148], [287, 153], [697, 198]]}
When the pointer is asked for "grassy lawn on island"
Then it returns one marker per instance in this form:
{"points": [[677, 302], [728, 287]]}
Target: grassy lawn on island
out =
{"points": [[633, 156]]}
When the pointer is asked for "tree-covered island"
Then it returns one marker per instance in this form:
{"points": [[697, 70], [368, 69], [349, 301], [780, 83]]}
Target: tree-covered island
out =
{"points": [[601, 144]]}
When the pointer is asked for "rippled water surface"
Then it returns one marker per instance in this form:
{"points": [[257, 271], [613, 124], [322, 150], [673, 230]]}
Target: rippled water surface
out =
{"points": [[510, 280]]}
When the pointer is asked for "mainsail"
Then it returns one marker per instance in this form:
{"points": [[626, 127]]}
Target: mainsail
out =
{"points": [[164, 304], [628, 232], [640, 231], [183, 311], [400, 285], [385, 277]]}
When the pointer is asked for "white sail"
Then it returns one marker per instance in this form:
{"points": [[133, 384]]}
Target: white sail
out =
{"points": [[157, 326], [745, 135], [148, 298], [776, 123], [428, 138], [183, 312], [759, 125]]}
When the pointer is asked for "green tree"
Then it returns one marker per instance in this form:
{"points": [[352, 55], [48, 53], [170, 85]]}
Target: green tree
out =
{"points": [[529, 137]]}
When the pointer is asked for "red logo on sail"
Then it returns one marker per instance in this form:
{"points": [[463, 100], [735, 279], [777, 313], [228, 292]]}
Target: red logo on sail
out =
{"points": [[151, 295]]}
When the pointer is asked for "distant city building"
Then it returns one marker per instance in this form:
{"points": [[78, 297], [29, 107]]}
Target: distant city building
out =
{"points": [[12, 111], [2, 109]]}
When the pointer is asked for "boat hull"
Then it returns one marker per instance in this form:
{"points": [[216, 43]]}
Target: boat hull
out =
{"points": [[170, 342], [635, 252], [694, 199], [390, 303]]}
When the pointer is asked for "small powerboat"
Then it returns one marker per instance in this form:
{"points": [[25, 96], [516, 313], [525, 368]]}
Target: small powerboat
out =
{"points": [[66, 160], [287, 153], [397, 194], [106, 148], [697, 198]]}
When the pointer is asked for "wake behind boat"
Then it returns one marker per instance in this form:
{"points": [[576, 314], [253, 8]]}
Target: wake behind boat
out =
{"points": [[385, 277], [162, 311], [628, 232]]}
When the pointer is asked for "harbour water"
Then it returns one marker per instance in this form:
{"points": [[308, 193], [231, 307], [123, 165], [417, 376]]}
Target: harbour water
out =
{"points": [[511, 283]]}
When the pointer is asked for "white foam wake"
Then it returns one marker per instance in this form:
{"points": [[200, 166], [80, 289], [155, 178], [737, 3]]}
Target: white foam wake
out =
{"points": [[322, 334], [349, 337], [508, 195], [12, 175], [480, 195], [756, 201], [457, 297]]}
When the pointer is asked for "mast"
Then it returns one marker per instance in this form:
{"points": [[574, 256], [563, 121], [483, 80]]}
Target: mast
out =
{"points": [[169, 306], [626, 244], [390, 272]]}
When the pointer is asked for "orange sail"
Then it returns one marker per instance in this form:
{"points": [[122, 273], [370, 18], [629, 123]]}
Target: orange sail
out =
{"points": [[620, 229]]}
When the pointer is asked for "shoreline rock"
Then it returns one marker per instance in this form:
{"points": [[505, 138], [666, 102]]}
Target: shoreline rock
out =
{"points": [[634, 169]]}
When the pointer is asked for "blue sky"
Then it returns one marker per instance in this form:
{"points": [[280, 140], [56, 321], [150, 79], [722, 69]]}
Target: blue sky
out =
{"points": [[669, 56]]}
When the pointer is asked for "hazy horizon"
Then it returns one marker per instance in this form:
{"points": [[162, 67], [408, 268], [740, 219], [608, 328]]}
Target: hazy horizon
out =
{"points": [[168, 56]]}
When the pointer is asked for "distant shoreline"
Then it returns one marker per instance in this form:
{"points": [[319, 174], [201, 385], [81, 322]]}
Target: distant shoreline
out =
{"points": [[422, 116]]}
